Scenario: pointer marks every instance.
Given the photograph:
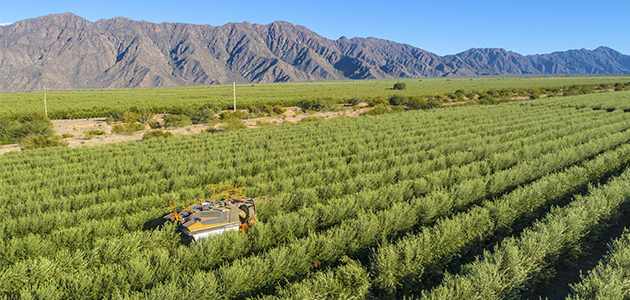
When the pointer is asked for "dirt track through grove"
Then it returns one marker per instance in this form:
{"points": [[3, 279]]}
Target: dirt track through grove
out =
{"points": [[78, 127]]}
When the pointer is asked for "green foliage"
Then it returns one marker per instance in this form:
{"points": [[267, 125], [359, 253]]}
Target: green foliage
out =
{"points": [[146, 117], [176, 121], [271, 110], [212, 130], [67, 135], [378, 101], [348, 281], [14, 129], [417, 103], [131, 117], [90, 133], [433, 103], [400, 86], [609, 279], [355, 101], [233, 124], [115, 115], [397, 100], [459, 94], [518, 262], [316, 104], [227, 115], [35, 141], [154, 124], [361, 207], [421, 103], [263, 123], [577, 90], [278, 110], [98, 103], [156, 134], [127, 128], [439, 98], [486, 99], [204, 114], [311, 119], [376, 111]]}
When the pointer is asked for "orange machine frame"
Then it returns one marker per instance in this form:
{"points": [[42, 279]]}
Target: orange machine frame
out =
{"points": [[233, 193]]}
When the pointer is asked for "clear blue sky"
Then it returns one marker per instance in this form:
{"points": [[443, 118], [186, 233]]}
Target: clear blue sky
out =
{"points": [[442, 27]]}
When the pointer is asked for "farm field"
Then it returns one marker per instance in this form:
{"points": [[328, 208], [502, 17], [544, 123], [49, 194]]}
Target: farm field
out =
{"points": [[95, 103], [472, 202]]}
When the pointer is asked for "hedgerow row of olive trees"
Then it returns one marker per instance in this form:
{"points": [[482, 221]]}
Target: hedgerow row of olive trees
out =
{"points": [[609, 279], [343, 191], [514, 267]]}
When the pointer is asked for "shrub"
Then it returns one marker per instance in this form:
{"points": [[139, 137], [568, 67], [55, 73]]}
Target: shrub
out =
{"points": [[234, 124], [127, 128], [271, 110], [203, 116], [89, 134], [182, 110], [255, 110], [96, 132], [400, 86], [355, 101], [439, 97], [119, 128], [226, 115], [378, 101], [433, 103], [379, 110], [114, 115], [417, 103], [211, 106], [268, 109], [67, 135], [131, 117], [212, 130], [176, 121], [34, 141], [310, 119], [317, 104], [12, 130], [154, 124], [397, 100], [487, 101], [421, 103], [263, 123], [156, 134], [145, 117], [459, 94], [278, 110]]}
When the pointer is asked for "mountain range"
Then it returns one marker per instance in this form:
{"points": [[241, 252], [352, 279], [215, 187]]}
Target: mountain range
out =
{"points": [[65, 51]]}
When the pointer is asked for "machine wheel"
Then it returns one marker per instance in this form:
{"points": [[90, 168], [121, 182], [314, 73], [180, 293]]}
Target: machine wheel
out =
{"points": [[243, 215]]}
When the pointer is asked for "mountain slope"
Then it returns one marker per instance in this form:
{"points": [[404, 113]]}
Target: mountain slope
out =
{"points": [[68, 52]]}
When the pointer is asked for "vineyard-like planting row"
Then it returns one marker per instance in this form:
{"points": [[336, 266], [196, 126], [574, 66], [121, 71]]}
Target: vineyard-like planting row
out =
{"points": [[362, 207], [610, 279]]}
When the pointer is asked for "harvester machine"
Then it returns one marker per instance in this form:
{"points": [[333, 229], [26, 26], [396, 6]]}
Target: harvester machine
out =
{"points": [[226, 210]]}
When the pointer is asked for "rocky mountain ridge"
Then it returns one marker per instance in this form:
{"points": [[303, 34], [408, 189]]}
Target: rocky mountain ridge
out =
{"points": [[65, 51]]}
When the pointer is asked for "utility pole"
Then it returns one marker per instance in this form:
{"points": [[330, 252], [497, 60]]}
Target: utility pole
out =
{"points": [[45, 106], [234, 93]]}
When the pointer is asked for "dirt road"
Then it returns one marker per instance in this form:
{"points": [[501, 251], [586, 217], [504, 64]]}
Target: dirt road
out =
{"points": [[78, 127]]}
